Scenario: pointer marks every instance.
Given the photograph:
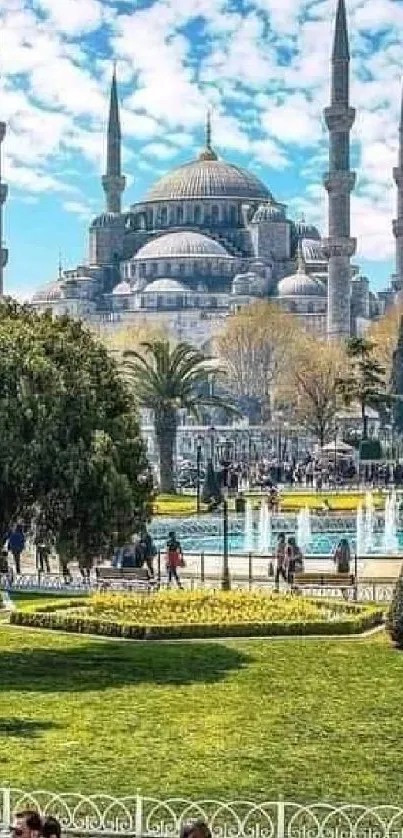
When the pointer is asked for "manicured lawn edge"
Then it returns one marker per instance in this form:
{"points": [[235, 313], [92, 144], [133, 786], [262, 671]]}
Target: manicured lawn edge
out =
{"points": [[82, 624]]}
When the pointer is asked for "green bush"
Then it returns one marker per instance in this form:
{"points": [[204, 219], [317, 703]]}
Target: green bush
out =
{"points": [[394, 623], [82, 624]]}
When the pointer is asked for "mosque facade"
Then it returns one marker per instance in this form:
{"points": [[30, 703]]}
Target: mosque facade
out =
{"points": [[210, 238]]}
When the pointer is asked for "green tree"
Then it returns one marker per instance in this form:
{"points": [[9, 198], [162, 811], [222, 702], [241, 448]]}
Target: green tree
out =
{"points": [[72, 463], [364, 381], [394, 622], [397, 382], [165, 379]]}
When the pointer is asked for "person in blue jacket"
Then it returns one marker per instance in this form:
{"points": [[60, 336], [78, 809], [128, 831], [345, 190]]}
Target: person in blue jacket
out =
{"points": [[16, 545]]}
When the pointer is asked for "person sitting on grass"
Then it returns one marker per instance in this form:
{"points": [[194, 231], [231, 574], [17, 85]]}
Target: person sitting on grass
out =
{"points": [[51, 828], [27, 824], [196, 829], [174, 558]]}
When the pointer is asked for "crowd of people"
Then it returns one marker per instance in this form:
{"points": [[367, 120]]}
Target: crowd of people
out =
{"points": [[30, 824]]}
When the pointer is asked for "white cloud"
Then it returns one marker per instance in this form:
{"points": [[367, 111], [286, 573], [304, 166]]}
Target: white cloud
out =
{"points": [[72, 17]]}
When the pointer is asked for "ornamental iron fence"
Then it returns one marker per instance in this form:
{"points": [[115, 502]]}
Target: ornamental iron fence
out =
{"points": [[148, 817]]}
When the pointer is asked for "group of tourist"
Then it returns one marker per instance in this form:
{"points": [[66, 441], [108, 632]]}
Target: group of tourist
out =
{"points": [[30, 824], [289, 559]]}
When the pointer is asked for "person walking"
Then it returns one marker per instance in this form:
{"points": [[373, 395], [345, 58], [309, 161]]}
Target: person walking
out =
{"points": [[15, 546], [294, 560], [280, 556], [148, 551], [174, 559]]}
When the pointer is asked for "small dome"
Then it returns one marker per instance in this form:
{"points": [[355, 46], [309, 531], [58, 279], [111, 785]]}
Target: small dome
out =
{"points": [[163, 286], [300, 285], [312, 250], [241, 284], [50, 292], [304, 230], [122, 288], [184, 243], [108, 219], [208, 177], [268, 212]]}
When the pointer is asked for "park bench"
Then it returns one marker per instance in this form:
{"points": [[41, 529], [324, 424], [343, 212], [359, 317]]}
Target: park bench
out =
{"points": [[324, 581], [129, 578]]}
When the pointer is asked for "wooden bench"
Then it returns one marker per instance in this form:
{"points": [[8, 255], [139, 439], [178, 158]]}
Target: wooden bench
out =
{"points": [[324, 581], [129, 578]]}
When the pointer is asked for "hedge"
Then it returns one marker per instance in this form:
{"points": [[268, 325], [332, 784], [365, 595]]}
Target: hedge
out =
{"points": [[82, 624]]}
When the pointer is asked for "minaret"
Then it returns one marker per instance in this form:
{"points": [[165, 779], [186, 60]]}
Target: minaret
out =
{"points": [[208, 152], [113, 182], [398, 223], [3, 196], [339, 247]]}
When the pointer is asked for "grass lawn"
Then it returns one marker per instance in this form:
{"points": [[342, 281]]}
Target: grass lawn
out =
{"points": [[301, 719]]}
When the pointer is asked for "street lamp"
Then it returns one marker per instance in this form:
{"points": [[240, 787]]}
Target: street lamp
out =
{"points": [[198, 464], [226, 581], [211, 434]]}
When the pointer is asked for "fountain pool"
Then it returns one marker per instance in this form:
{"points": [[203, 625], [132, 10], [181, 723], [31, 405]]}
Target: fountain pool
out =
{"points": [[369, 532]]}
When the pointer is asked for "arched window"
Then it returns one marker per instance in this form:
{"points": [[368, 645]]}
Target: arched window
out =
{"points": [[181, 267], [154, 268], [167, 269], [233, 216], [215, 215], [310, 308], [179, 215], [292, 307], [164, 217], [197, 214], [142, 269]]}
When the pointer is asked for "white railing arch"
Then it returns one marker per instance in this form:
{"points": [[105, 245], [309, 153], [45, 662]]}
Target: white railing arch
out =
{"points": [[93, 816]]}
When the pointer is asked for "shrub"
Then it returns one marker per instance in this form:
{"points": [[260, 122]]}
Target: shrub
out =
{"points": [[394, 623], [206, 615]]}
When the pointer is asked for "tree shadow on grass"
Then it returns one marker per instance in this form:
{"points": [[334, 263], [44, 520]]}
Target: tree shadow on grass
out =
{"points": [[24, 728], [95, 666]]}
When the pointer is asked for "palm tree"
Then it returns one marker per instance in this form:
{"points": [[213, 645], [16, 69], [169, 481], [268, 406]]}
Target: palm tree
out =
{"points": [[165, 379]]}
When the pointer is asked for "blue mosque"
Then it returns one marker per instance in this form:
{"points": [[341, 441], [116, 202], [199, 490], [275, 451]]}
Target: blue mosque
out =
{"points": [[210, 238]]}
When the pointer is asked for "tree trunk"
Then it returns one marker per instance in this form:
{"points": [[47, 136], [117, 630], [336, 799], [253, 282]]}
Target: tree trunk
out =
{"points": [[364, 422], [165, 432]]}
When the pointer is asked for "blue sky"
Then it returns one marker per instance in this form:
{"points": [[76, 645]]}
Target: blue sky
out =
{"points": [[261, 65]]}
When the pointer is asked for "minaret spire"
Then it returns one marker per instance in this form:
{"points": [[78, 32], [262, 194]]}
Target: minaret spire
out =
{"points": [[3, 196], [398, 223], [339, 182], [113, 182], [208, 152]]}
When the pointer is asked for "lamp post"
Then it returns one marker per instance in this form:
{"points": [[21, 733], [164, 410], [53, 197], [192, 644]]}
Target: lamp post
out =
{"points": [[198, 464], [226, 581], [211, 433]]}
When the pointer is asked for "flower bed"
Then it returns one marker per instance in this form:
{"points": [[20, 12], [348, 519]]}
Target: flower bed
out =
{"points": [[174, 615]]}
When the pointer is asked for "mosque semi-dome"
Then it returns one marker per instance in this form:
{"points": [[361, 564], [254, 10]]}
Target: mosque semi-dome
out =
{"points": [[268, 212], [179, 244], [107, 219], [208, 177], [48, 293], [300, 285], [304, 230], [123, 287]]}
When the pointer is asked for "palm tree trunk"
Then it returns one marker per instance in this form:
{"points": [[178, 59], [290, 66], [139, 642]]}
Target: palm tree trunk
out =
{"points": [[165, 432]]}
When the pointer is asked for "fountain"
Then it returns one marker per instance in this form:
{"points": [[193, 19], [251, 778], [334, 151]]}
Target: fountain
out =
{"points": [[304, 529], [390, 542], [249, 527], [264, 528], [360, 537], [369, 524]]}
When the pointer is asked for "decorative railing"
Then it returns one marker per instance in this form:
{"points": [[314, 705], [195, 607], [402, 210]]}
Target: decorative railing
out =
{"points": [[148, 817]]}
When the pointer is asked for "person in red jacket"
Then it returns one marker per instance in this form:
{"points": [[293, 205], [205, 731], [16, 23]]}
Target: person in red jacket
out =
{"points": [[174, 559]]}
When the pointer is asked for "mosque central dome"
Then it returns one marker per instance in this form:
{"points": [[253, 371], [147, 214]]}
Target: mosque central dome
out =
{"points": [[208, 177]]}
